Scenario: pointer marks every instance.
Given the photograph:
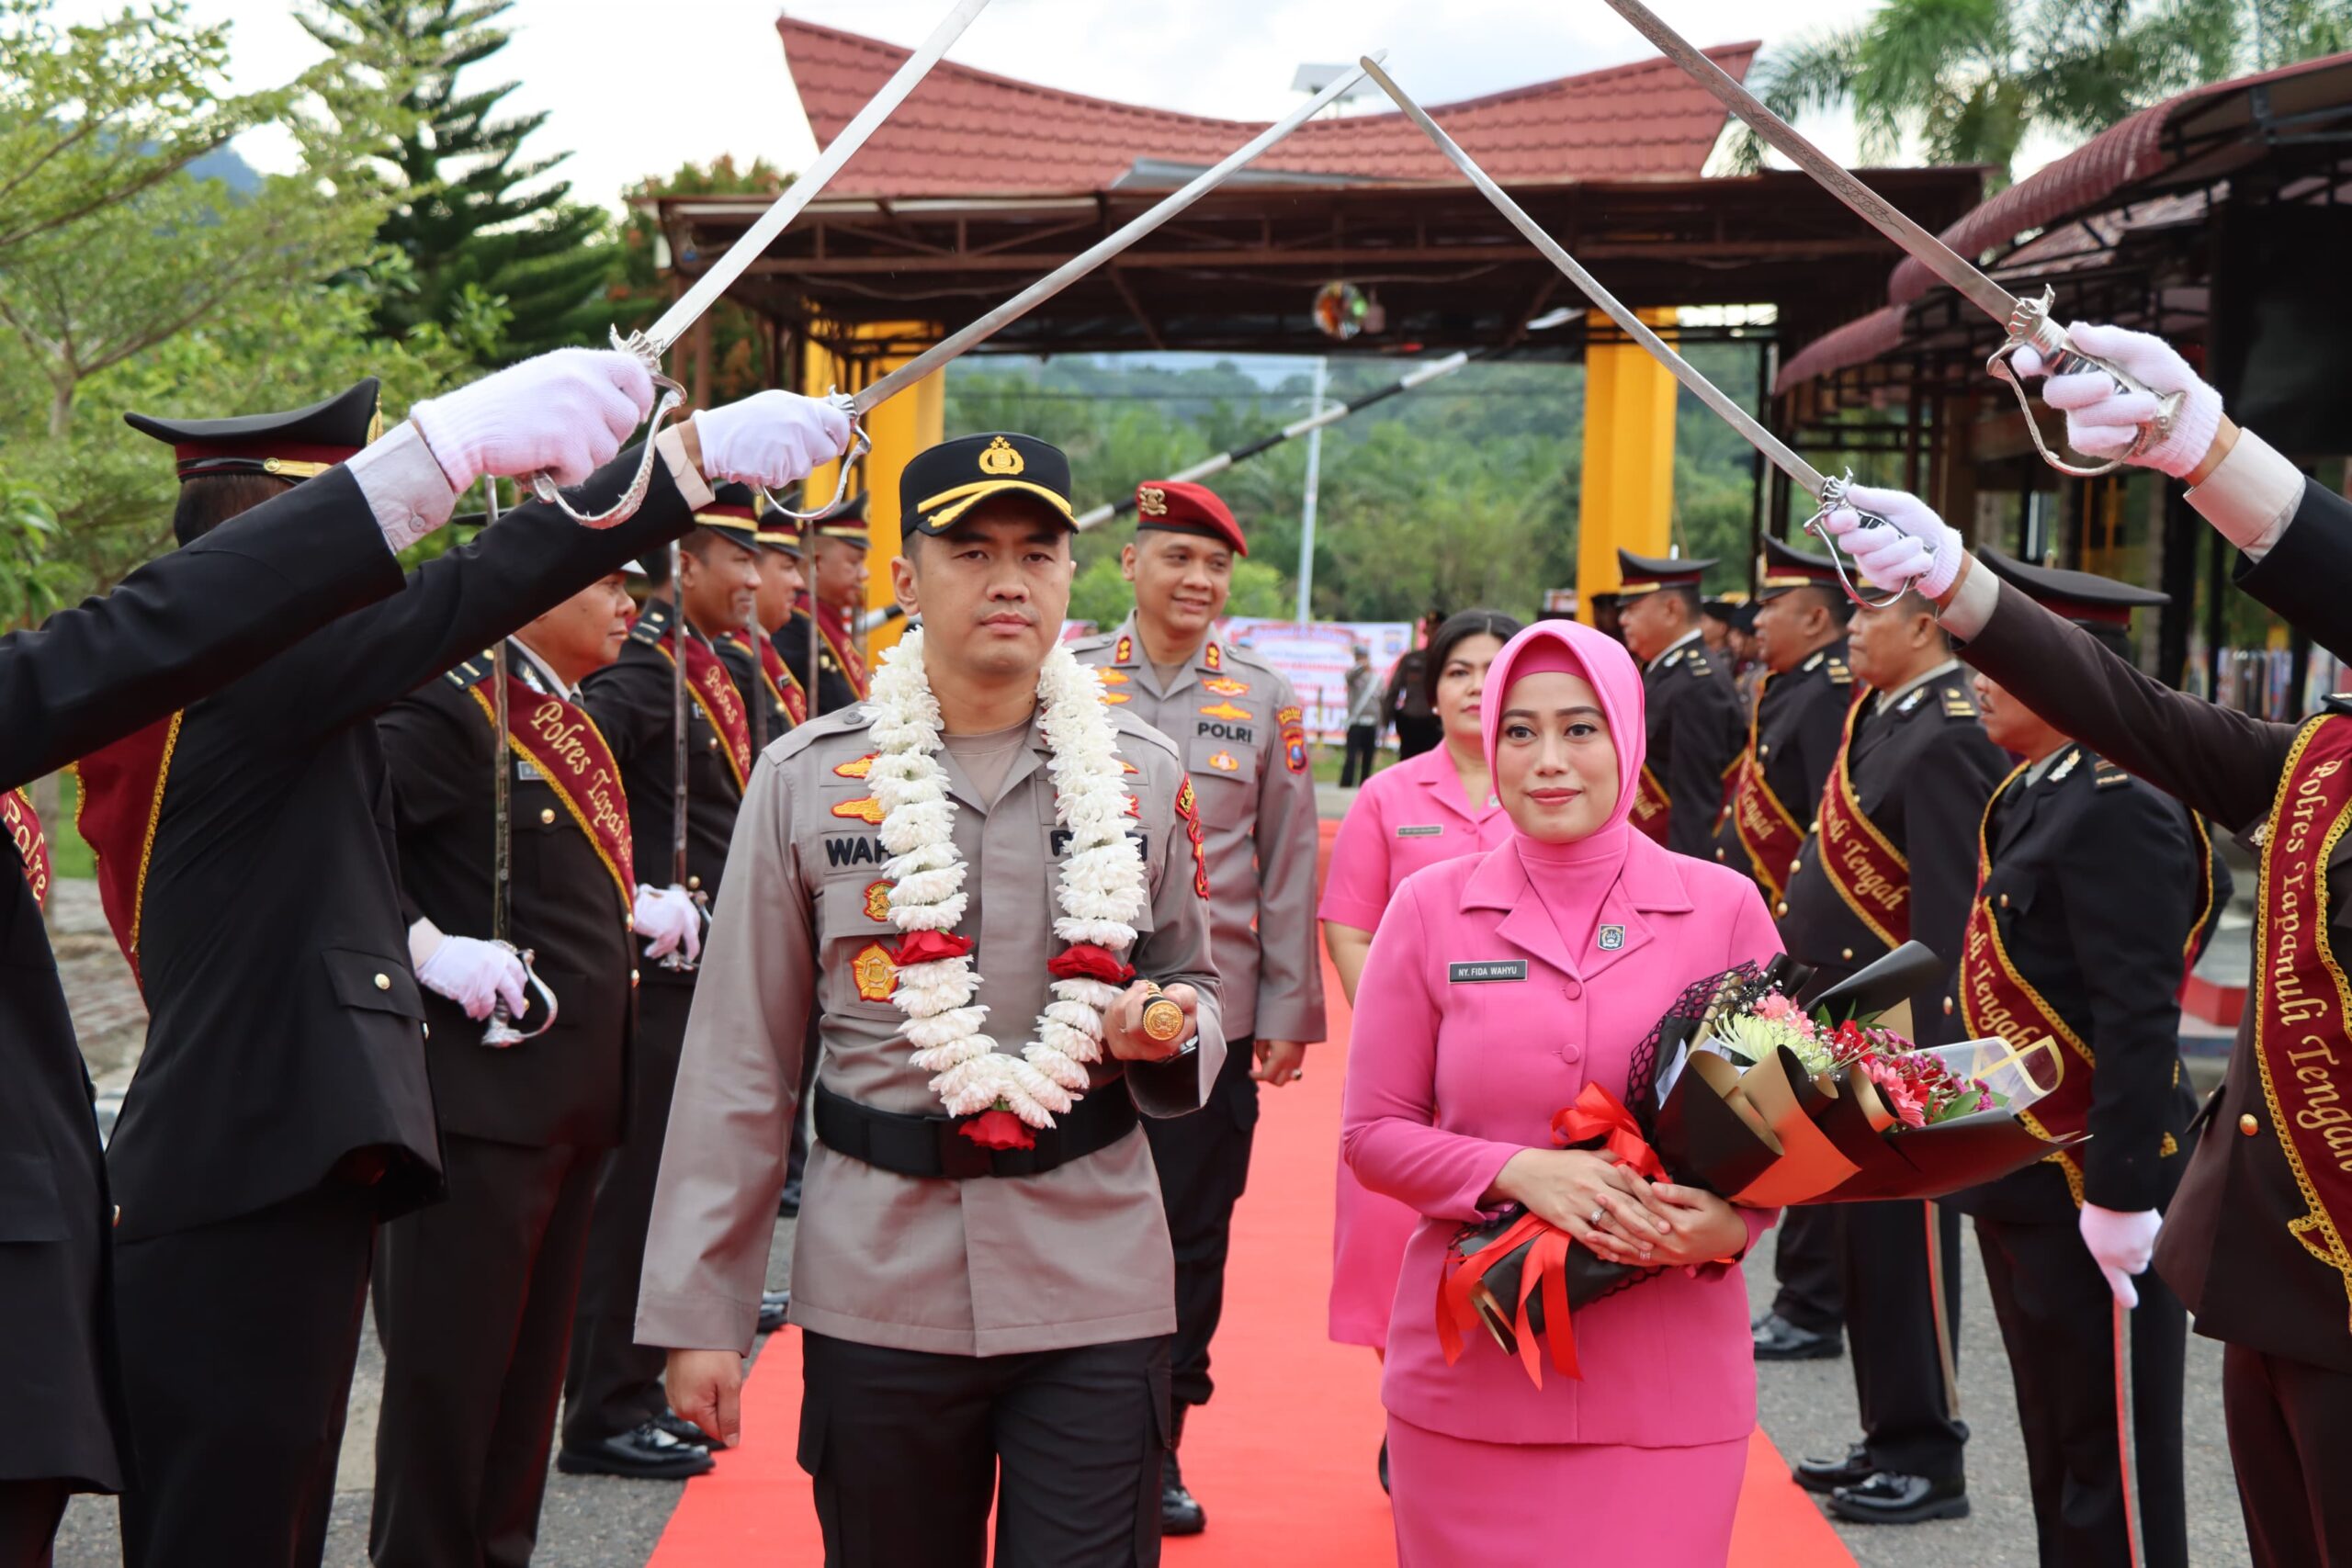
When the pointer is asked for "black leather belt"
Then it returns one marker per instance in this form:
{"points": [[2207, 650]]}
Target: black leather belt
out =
{"points": [[934, 1147]]}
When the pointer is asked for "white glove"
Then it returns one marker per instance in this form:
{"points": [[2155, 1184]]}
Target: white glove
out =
{"points": [[770, 438], [2103, 422], [668, 916], [474, 974], [1920, 551], [566, 413], [2120, 1243]]}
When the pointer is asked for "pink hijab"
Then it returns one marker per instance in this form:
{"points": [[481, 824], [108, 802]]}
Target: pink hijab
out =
{"points": [[1601, 661]]}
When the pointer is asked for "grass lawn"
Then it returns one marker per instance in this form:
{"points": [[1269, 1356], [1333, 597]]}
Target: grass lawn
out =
{"points": [[68, 855]]}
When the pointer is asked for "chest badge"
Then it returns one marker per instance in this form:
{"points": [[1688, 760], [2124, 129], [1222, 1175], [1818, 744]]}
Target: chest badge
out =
{"points": [[1611, 937], [1226, 711], [1115, 698], [1224, 762], [1115, 677], [1226, 686], [877, 901], [876, 973], [867, 809], [857, 768]]}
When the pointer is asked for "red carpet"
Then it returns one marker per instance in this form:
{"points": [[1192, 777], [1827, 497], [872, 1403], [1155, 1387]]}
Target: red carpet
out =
{"points": [[1282, 1460]]}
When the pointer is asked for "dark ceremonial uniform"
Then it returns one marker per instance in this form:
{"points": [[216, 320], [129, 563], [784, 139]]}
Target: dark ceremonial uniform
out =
{"points": [[177, 627], [839, 679], [281, 1108], [474, 1295], [978, 1329], [1795, 723], [2304, 575], [1892, 858], [614, 1384], [1244, 743], [1695, 727], [2256, 1241]]}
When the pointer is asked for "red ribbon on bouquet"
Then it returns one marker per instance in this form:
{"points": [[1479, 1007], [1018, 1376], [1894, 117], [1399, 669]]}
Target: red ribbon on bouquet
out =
{"points": [[1598, 1115]]}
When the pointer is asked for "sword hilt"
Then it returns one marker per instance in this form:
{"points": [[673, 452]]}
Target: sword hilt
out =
{"points": [[502, 1033], [676, 960], [859, 446], [641, 348], [1832, 497], [2031, 326]]}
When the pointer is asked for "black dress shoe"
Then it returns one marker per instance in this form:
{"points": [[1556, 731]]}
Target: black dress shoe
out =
{"points": [[773, 1304], [1890, 1499], [1384, 1464], [686, 1431], [1777, 1339], [1825, 1476], [644, 1453], [788, 1203], [1180, 1512]]}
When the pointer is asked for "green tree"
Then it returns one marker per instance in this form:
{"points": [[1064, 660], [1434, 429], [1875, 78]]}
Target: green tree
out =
{"points": [[1966, 81], [476, 219]]}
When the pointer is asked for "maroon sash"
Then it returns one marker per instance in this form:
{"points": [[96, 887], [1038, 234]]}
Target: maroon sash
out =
{"points": [[714, 692], [562, 743], [781, 684], [1653, 807], [1766, 829], [122, 800], [834, 624], [2301, 1043], [23, 823], [1867, 870]]}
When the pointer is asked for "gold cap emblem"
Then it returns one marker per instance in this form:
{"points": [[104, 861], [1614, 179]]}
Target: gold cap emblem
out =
{"points": [[1151, 500], [999, 458]]}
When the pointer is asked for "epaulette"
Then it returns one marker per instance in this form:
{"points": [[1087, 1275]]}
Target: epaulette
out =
{"points": [[470, 672], [1839, 674], [800, 737], [1697, 666], [1957, 704], [2110, 777]]}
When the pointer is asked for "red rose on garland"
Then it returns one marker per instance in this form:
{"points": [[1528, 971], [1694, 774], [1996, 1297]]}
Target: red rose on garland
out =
{"points": [[1086, 961], [998, 1128], [931, 947]]}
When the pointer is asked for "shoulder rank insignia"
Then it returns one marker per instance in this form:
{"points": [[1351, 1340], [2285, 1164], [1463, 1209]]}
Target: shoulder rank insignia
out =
{"points": [[866, 809], [1699, 666], [876, 971], [2066, 765], [877, 900], [1226, 711], [1226, 686], [1226, 763], [1839, 674], [857, 768], [1213, 656], [1956, 704], [1125, 651], [1114, 677], [2105, 780]]}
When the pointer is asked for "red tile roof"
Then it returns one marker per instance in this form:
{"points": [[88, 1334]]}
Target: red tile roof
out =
{"points": [[964, 130]]}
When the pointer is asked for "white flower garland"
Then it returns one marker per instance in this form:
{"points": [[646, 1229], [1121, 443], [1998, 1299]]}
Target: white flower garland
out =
{"points": [[1101, 890]]}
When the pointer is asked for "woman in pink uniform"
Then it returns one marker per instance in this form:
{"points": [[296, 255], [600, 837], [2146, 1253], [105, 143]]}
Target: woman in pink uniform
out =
{"points": [[1497, 986], [1433, 807]]}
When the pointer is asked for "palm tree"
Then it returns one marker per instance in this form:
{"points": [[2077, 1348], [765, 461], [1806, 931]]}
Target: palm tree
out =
{"points": [[1966, 81]]}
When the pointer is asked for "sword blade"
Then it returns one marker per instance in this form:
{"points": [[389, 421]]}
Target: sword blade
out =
{"points": [[958, 343], [502, 772], [813, 180], [1833, 177], [1774, 449], [678, 752]]}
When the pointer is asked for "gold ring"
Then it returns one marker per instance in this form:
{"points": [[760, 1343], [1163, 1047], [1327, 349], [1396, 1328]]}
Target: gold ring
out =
{"points": [[1162, 1019]]}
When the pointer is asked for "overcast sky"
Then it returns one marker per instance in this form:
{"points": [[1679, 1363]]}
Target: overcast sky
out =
{"points": [[637, 89]]}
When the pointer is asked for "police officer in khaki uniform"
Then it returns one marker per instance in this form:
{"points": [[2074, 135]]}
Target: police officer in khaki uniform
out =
{"points": [[1244, 742], [985, 1303]]}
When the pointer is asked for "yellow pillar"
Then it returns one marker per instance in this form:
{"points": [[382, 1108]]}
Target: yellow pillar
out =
{"points": [[905, 425], [1628, 500]]}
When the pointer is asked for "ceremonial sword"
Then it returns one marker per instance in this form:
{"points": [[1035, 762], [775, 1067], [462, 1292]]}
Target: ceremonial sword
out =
{"points": [[958, 343], [1827, 491], [501, 1032], [2026, 321], [648, 346]]}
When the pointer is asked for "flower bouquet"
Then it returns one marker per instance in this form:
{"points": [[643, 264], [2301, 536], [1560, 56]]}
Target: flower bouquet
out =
{"points": [[1768, 1105]]}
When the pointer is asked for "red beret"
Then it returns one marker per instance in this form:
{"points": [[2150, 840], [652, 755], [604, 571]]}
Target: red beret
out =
{"points": [[1181, 508]]}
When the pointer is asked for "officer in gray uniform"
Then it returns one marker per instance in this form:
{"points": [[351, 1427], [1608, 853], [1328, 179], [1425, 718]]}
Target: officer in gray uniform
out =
{"points": [[1244, 742], [986, 1300]]}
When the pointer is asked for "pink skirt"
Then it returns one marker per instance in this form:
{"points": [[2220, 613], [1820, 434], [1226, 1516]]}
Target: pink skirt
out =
{"points": [[1460, 1501], [1369, 1231]]}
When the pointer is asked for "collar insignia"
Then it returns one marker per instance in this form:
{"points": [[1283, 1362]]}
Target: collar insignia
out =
{"points": [[1125, 653], [1213, 656]]}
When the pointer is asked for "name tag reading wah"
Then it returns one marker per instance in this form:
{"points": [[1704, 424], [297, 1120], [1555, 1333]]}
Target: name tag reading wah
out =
{"points": [[1487, 971], [1421, 830]]}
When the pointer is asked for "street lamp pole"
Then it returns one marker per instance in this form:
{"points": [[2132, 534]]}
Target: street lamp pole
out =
{"points": [[1307, 513]]}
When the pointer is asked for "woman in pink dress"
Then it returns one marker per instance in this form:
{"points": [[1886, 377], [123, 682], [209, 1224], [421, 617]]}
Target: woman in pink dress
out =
{"points": [[1497, 986], [1433, 807]]}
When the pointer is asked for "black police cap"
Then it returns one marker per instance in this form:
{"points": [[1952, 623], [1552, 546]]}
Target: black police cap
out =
{"points": [[295, 446], [947, 481], [1647, 574], [732, 514], [2082, 597], [1786, 567]]}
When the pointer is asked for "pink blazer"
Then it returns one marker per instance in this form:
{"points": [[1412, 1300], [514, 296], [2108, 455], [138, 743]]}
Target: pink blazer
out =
{"points": [[1463, 1075], [1405, 818]]}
